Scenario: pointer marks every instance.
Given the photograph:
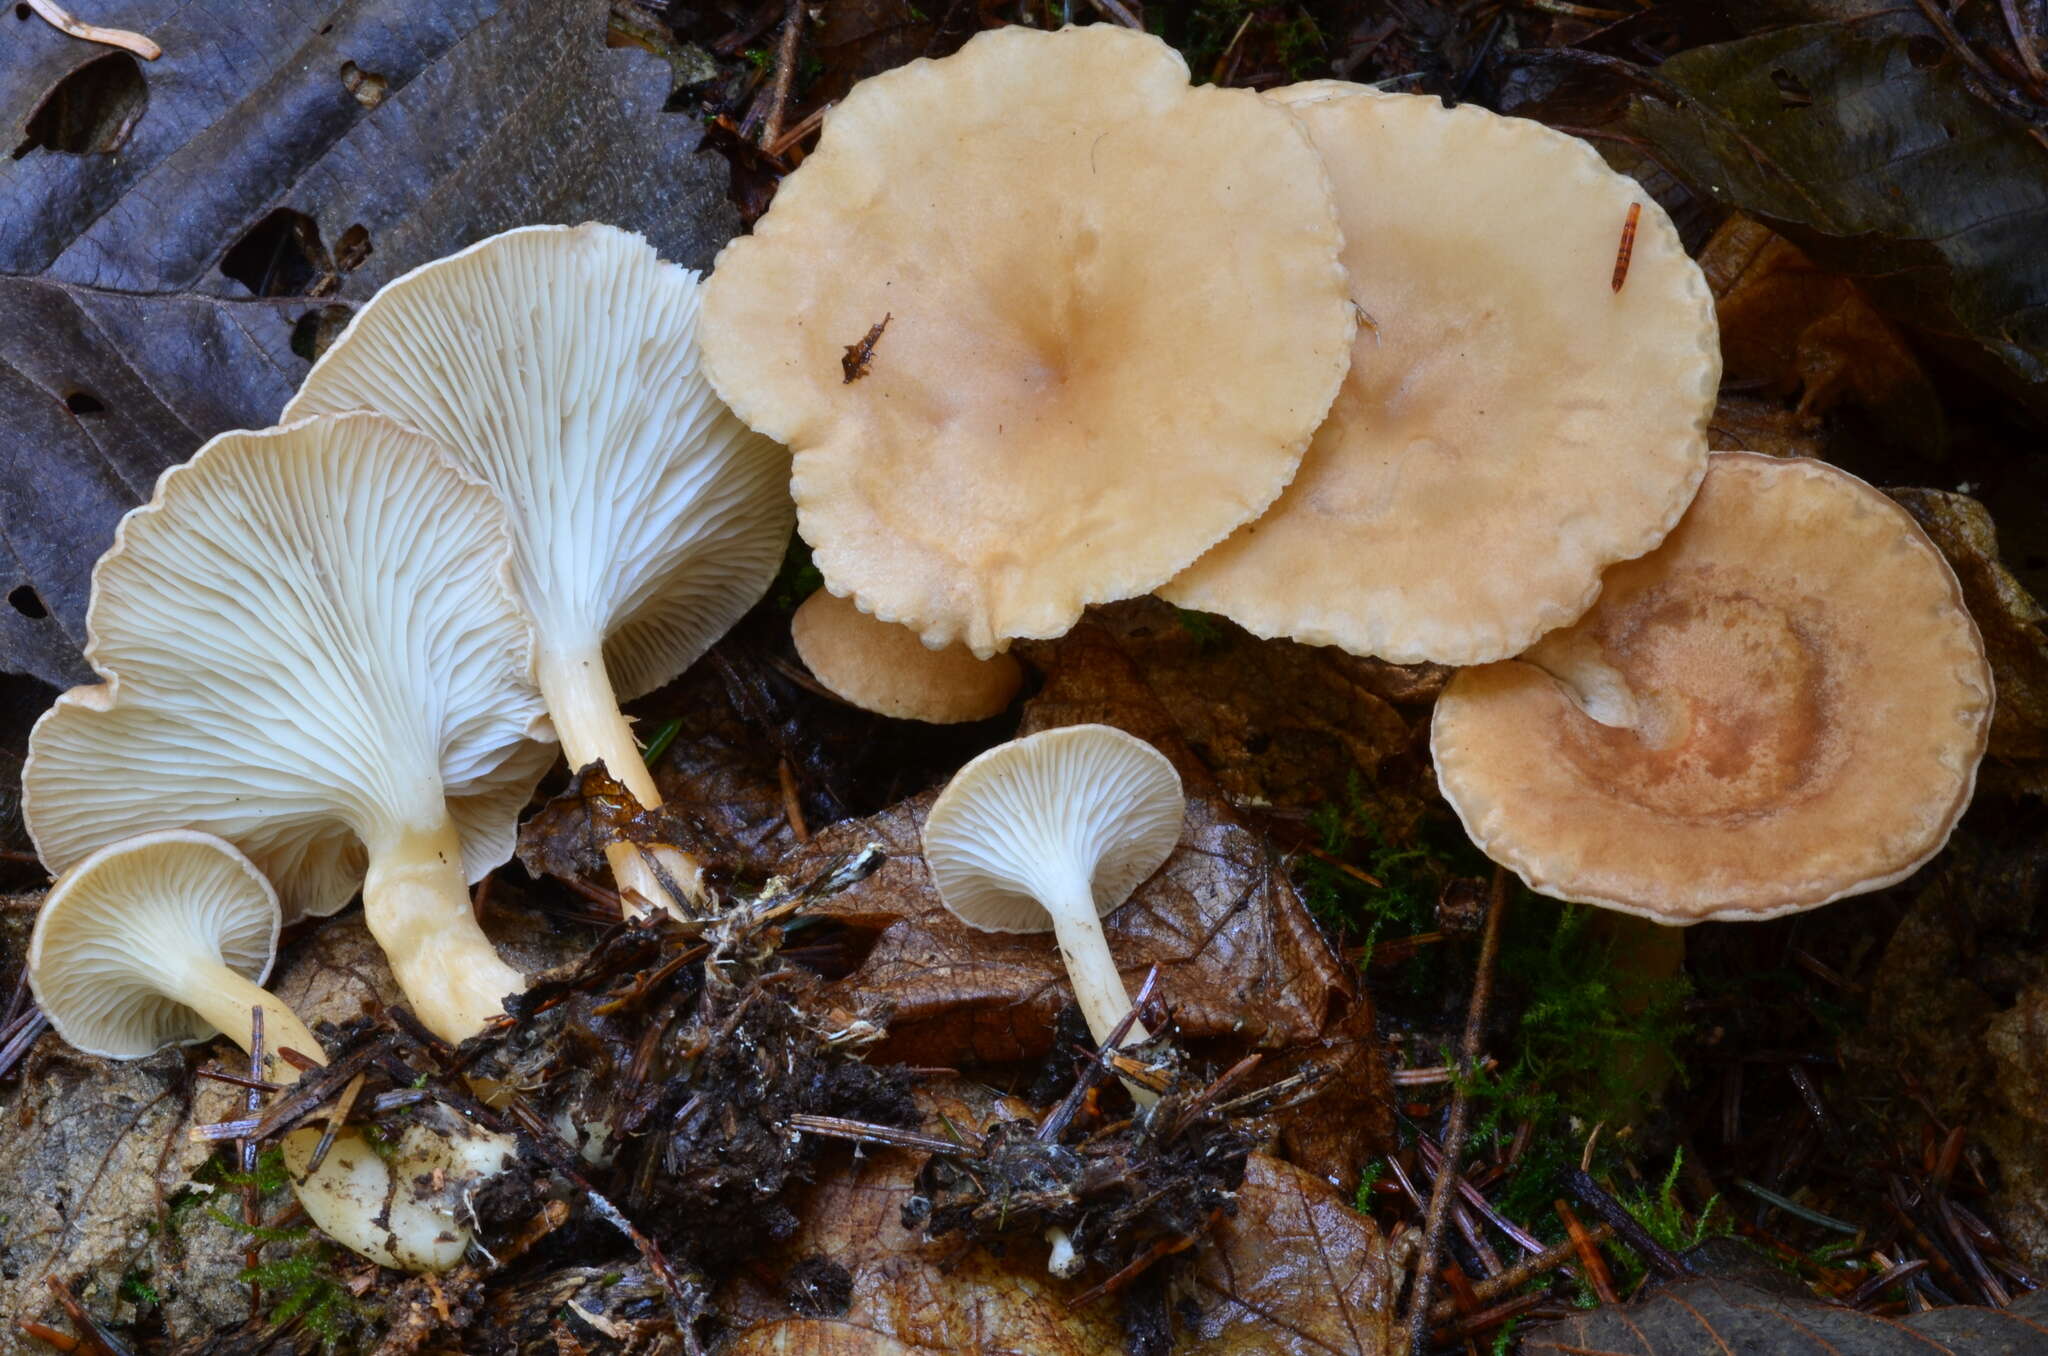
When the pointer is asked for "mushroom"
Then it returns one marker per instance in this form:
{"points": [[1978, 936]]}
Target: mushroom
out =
{"points": [[310, 649], [881, 667], [1040, 323], [1512, 424], [1783, 704], [559, 366], [166, 938], [1052, 832]]}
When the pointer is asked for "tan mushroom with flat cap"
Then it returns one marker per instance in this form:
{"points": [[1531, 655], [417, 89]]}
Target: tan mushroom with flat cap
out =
{"points": [[1783, 704], [1040, 322], [1512, 422], [310, 648], [1052, 832], [882, 667], [559, 366], [166, 939]]}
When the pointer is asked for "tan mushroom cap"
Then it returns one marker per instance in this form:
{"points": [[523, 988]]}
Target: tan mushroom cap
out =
{"points": [[1511, 424], [1115, 316], [882, 667], [1783, 704]]}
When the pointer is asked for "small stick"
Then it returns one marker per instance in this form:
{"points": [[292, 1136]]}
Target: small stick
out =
{"points": [[245, 1150], [91, 1337], [1111, 9], [1628, 245], [785, 73], [335, 1119], [792, 805], [1486, 1319], [1056, 1123], [810, 122], [57, 17], [2023, 42], [1597, 1274], [1522, 1272], [1454, 1132], [238, 1080], [1626, 1225], [861, 1132], [1885, 1280]]}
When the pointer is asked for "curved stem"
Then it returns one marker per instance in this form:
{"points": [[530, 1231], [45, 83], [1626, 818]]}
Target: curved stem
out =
{"points": [[417, 905], [224, 998], [585, 710], [1098, 988]]}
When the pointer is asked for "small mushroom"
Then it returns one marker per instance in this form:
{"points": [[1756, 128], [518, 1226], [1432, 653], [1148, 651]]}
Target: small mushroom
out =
{"points": [[1041, 323], [1783, 704], [310, 649], [882, 667], [1511, 424], [1052, 832], [559, 366], [166, 938]]}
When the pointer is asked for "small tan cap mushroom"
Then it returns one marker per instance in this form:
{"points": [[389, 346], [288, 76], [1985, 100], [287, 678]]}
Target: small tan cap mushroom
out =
{"points": [[1783, 704], [1040, 322], [1512, 424], [882, 667]]}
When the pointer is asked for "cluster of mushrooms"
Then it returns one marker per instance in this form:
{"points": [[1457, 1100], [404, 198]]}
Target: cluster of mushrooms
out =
{"points": [[1037, 325]]}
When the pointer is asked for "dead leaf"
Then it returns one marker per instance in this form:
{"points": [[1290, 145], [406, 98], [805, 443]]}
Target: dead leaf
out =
{"points": [[1279, 727], [1731, 1317], [1801, 331], [1297, 1271], [566, 837], [2007, 615], [1764, 424], [177, 233]]}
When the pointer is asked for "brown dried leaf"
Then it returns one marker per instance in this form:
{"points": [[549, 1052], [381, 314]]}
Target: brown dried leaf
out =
{"points": [[1728, 1316], [1296, 1271], [1801, 331], [1278, 727], [2009, 617]]}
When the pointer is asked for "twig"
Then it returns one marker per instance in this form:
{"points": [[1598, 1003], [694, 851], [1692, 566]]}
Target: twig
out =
{"points": [[1521, 1273], [92, 1337], [810, 123], [17, 1038], [792, 804], [785, 73], [1487, 1319], [1597, 1274], [245, 1152], [1113, 10], [1454, 1131], [335, 1120], [2024, 42], [1626, 1225], [861, 1132], [62, 21], [1790, 1207], [1883, 1281], [1055, 1125]]}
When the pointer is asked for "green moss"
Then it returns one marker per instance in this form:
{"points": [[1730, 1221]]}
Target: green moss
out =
{"points": [[1206, 629], [1662, 1216], [135, 1287], [798, 578], [305, 1286]]}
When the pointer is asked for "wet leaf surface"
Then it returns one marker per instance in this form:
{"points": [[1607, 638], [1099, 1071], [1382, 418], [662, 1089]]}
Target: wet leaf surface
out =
{"points": [[1864, 143], [175, 240], [1743, 1320]]}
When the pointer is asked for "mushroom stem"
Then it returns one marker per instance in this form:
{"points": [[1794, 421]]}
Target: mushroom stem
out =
{"points": [[1098, 988], [585, 710], [351, 1195], [224, 998], [417, 905]]}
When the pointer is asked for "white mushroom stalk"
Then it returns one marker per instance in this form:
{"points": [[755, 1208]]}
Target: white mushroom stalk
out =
{"points": [[1054, 831], [167, 938], [559, 366], [311, 649]]}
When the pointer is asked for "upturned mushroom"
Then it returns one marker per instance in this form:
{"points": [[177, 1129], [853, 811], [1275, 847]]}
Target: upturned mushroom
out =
{"points": [[1041, 322], [559, 366], [310, 649], [882, 667], [166, 938], [1527, 398], [1783, 704], [1052, 832]]}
